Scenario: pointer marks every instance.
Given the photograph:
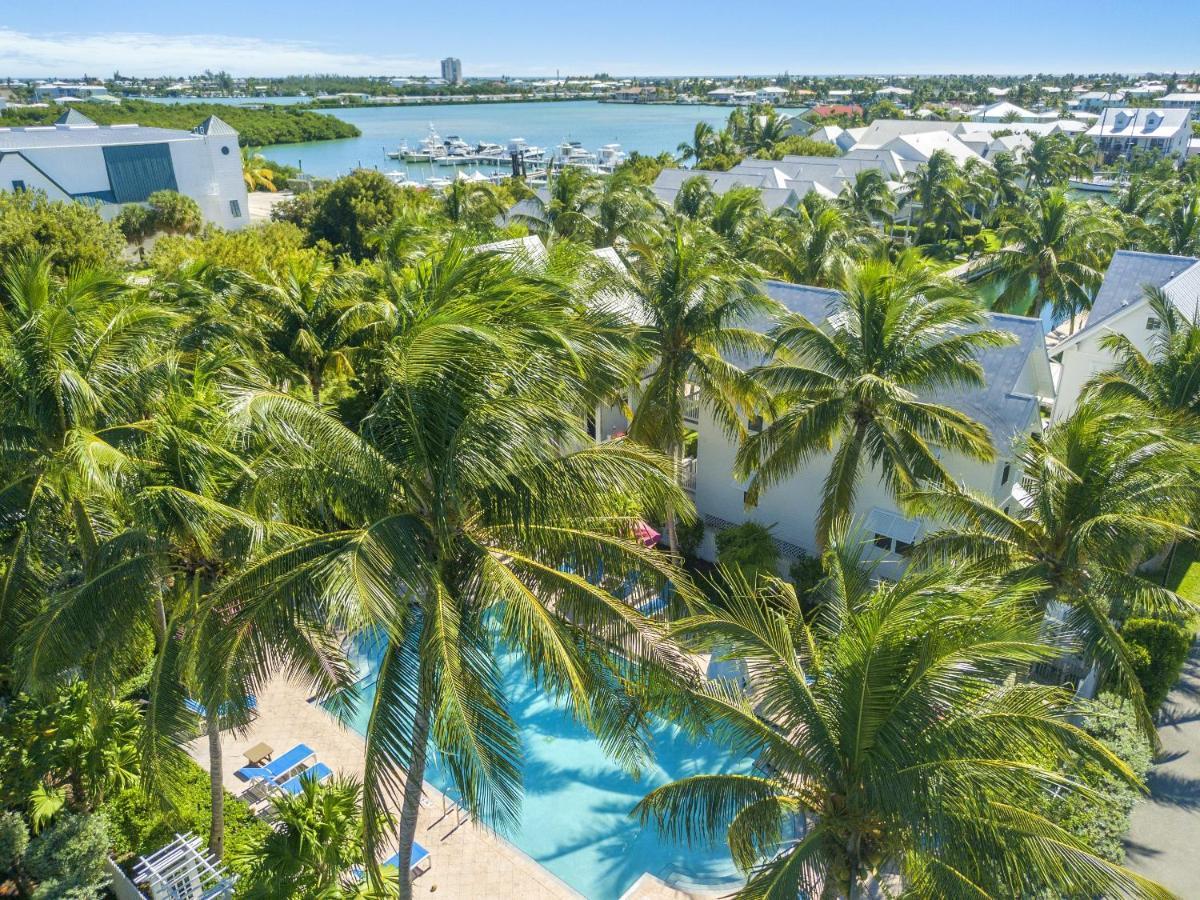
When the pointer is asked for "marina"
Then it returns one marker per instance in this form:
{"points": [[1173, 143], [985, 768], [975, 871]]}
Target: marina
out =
{"points": [[416, 141]]}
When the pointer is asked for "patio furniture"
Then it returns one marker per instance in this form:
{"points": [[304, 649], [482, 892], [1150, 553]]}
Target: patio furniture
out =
{"points": [[295, 784], [195, 706], [259, 754], [419, 856], [279, 769]]}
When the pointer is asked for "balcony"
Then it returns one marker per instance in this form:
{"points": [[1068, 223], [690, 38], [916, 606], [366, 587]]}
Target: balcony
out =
{"points": [[687, 474], [691, 404]]}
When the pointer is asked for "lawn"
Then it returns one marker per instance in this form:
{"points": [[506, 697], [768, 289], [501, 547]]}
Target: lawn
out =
{"points": [[1184, 575]]}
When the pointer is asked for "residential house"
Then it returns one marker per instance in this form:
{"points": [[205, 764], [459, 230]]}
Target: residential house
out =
{"points": [[69, 90], [1018, 383], [112, 165], [1122, 307], [826, 110], [1096, 101], [1121, 130], [771, 94], [1190, 101]]}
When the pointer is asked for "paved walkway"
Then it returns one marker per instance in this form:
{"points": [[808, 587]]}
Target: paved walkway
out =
{"points": [[1164, 840]]}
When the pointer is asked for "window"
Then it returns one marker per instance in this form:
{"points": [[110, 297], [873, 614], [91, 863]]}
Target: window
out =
{"points": [[18, 185], [224, 151], [903, 548], [883, 542], [756, 424], [591, 425], [235, 209], [1153, 323], [1004, 475]]}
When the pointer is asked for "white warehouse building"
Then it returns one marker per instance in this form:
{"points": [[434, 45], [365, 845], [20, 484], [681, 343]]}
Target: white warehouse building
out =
{"points": [[112, 165]]}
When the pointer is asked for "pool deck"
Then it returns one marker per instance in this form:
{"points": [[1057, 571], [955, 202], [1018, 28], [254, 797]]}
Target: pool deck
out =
{"points": [[469, 861]]}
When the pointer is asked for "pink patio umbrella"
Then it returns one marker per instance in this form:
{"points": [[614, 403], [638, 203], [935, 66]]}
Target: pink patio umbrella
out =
{"points": [[646, 534]]}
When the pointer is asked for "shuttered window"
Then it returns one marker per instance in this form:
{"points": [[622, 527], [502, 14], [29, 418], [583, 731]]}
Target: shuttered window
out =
{"points": [[136, 171]]}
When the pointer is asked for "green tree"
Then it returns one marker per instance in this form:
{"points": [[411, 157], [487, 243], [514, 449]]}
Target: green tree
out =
{"points": [[882, 755], [936, 199], [256, 173], [175, 213], [1176, 225], [696, 302], [345, 213], [853, 385], [702, 138], [817, 244], [1106, 489], [1054, 249], [453, 523], [70, 235], [868, 198]]}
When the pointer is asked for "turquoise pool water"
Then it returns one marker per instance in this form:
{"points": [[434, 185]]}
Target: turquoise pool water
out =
{"points": [[575, 819]]}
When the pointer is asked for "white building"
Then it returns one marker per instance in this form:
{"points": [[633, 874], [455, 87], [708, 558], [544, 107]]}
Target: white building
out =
{"points": [[1018, 384], [111, 165], [452, 70], [770, 94], [1121, 307], [1181, 101], [1095, 101], [62, 90], [1121, 130]]}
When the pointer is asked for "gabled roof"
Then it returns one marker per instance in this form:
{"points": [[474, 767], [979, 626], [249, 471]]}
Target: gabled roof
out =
{"points": [[73, 117], [1141, 122], [1125, 282], [215, 125]]}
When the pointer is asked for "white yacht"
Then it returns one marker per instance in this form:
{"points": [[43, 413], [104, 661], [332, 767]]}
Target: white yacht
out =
{"points": [[609, 157], [571, 153], [494, 154], [430, 148], [528, 152], [400, 179], [400, 152], [458, 152]]}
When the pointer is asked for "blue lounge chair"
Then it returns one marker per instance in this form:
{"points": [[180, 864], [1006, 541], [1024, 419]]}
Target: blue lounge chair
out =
{"points": [[419, 855], [195, 706], [278, 769], [317, 773]]}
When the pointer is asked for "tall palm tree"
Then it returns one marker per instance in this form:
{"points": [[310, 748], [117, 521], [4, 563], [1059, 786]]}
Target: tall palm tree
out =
{"points": [[695, 198], [735, 214], [815, 244], [1166, 380], [868, 198], [702, 138], [697, 302], [457, 522], [936, 188], [1106, 488], [471, 203], [76, 357], [861, 386], [1053, 250], [881, 755], [1048, 161], [624, 210], [256, 173], [311, 315], [1176, 225]]}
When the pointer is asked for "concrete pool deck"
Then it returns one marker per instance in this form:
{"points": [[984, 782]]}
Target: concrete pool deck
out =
{"points": [[469, 861]]}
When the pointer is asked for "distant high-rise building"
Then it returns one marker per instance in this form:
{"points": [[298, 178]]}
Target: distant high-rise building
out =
{"points": [[452, 70]]}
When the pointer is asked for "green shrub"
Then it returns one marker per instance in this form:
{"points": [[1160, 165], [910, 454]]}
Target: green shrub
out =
{"points": [[175, 213], [806, 573], [749, 549], [73, 234], [689, 534], [141, 824], [67, 859], [345, 212], [1159, 650]]}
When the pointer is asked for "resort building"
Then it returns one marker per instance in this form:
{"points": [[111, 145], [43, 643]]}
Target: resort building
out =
{"points": [[71, 90], [112, 165], [1190, 101], [1018, 384], [1122, 307], [1121, 130]]}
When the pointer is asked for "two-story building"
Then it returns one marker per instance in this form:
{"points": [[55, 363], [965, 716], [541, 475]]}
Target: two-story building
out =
{"points": [[1018, 384], [1122, 307], [113, 165], [1121, 130]]}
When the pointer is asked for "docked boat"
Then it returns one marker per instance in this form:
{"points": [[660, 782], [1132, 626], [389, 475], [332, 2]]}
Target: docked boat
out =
{"points": [[609, 157], [526, 151], [572, 153], [430, 148], [437, 183], [400, 152], [400, 179], [458, 152]]}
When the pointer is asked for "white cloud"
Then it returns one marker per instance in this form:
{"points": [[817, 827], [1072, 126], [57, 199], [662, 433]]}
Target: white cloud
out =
{"points": [[133, 53]]}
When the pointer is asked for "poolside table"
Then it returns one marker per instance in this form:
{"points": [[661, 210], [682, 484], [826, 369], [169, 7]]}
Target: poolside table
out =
{"points": [[258, 754]]}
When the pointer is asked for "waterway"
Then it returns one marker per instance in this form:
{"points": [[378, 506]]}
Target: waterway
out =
{"points": [[648, 129]]}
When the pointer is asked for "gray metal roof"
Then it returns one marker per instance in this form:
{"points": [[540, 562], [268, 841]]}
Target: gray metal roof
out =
{"points": [[214, 125], [1127, 277], [45, 136], [73, 117]]}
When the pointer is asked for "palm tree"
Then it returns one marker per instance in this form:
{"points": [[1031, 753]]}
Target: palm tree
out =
{"points": [[76, 355], [1007, 173], [1048, 160], [695, 198], [311, 315], [1176, 225], [471, 203], [852, 386], [256, 173], [316, 843], [735, 213], [868, 198], [890, 741], [696, 303], [702, 137], [1166, 380], [458, 522], [1054, 250], [815, 244], [936, 188], [625, 210], [1106, 488]]}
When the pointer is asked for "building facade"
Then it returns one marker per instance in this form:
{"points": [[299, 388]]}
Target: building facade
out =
{"points": [[1120, 131], [452, 70], [113, 165]]}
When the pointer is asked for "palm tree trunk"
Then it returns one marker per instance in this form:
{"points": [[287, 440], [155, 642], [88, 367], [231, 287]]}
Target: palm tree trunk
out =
{"points": [[216, 831], [672, 531], [414, 783]]}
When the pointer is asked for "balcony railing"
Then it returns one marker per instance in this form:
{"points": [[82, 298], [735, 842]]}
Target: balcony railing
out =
{"points": [[687, 474], [691, 404]]}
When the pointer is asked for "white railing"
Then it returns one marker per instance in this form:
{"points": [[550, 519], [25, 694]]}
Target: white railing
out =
{"points": [[687, 474]]}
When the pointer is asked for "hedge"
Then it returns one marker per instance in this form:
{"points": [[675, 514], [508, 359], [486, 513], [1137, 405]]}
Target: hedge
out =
{"points": [[1159, 650]]}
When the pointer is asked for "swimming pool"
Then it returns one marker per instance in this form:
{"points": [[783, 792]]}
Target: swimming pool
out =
{"points": [[575, 818]]}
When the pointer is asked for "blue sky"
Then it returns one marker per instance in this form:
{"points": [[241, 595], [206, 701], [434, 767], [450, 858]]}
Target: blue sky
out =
{"points": [[269, 37]]}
